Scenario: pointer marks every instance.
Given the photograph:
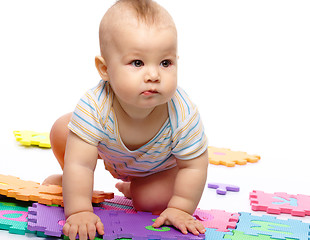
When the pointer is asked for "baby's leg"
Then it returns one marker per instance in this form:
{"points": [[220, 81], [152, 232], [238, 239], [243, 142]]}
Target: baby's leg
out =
{"points": [[124, 187], [58, 137], [152, 193]]}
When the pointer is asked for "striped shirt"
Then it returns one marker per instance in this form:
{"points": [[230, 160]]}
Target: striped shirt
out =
{"points": [[182, 136]]}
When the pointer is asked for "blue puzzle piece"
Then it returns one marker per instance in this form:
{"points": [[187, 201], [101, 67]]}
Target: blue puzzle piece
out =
{"points": [[213, 234], [241, 236], [273, 227]]}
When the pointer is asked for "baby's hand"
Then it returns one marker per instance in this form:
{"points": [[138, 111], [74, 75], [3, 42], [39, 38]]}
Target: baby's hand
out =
{"points": [[83, 223], [181, 220]]}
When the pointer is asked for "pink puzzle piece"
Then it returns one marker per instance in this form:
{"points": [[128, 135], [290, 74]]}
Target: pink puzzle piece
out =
{"points": [[279, 202], [118, 203], [218, 219], [121, 200]]}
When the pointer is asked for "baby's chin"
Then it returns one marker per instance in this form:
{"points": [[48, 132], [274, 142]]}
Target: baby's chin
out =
{"points": [[152, 103]]}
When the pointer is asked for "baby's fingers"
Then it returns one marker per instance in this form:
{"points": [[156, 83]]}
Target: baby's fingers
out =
{"points": [[159, 222], [200, 227], [82, 232], [182, 227], [100, 227], [73, 230], [70, 231], [193, 229], [196, 227], [65, 229]]}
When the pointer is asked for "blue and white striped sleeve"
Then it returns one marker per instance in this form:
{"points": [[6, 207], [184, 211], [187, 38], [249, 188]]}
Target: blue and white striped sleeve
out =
{"points": [[189, 139], [86, 121]]}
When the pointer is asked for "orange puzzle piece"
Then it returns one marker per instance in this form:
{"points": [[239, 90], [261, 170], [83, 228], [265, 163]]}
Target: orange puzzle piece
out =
{"points": [[229, 158], [45, 194]]}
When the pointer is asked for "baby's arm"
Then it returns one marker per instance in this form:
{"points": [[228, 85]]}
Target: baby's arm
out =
{"points": [[189, 185], [78, 175]]}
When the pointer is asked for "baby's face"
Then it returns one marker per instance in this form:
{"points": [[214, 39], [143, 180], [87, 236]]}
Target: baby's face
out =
{"points": [[142, 63]]}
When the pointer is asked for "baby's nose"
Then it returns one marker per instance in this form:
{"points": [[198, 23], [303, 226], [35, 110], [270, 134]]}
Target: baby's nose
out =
{"points": [[152, 75]]}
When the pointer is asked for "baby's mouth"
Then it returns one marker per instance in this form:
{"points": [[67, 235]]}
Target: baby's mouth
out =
{"points": [[149, 92]]}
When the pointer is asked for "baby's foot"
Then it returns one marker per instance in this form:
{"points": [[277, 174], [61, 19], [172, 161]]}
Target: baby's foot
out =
{"points": [[55, 179], [124, 187]]}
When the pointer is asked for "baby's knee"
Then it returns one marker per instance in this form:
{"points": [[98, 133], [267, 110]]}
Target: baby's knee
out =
{"points": [[150, 199], [149, 203]]}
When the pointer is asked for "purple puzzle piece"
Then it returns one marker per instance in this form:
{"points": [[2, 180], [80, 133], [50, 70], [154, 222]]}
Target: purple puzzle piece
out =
{"points": [[45, 219], [50, 219], [117, 224], [139, 227], [222, 188]]}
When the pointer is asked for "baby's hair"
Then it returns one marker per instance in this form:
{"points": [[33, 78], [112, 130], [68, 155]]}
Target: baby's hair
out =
{"points": [[146, 10]]}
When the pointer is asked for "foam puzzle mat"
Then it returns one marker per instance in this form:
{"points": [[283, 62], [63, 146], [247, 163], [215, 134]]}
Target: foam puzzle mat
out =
{"points": [[118, 224], [20, 217], [229, 158], [31, 138], [19, 189], [13, 215], [280, 202]]}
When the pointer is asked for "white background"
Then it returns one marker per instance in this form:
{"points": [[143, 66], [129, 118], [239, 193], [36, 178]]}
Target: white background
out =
{"points": [[246, 64]]}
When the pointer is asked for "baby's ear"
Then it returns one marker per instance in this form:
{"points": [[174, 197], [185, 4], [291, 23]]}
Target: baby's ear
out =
{"points": [[102, 68]]}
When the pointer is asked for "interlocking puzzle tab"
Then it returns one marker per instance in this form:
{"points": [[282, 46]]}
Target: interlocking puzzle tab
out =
{"points": [[32, 191], [28, 138], [279, 202], [222, 188], [270, 226], [217, 219], [118, 224], [229, 158], [13, 216]]}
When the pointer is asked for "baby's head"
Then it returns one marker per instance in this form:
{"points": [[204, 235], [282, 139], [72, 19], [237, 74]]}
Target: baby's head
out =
{"points": [[138, 44], [132, 12]]}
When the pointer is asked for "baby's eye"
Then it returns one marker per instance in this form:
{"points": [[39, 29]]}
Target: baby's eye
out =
{"points": [[137, 63], [165, 63]]}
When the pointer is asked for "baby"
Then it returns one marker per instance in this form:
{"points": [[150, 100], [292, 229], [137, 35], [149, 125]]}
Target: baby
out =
{"points": [[137, 120]]}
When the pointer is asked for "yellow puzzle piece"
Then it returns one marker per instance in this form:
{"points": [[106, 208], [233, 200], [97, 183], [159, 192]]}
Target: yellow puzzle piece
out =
{"points": [[28, 138], [229, 158]]}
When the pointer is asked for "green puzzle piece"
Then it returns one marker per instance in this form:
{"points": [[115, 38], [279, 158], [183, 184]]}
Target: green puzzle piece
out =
{"points": [[13, 216]]}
